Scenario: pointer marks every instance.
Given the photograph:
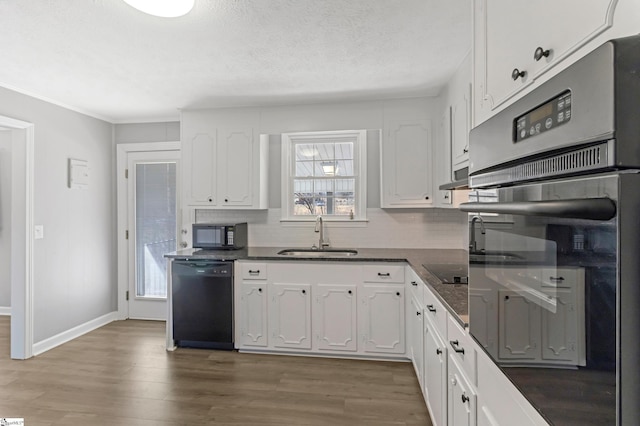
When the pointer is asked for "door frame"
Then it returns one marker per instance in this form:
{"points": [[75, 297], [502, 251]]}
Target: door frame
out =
{"points": [[122, 150], [22, 219]]}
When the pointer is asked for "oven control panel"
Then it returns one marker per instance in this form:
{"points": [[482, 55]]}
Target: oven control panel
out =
{"points": [[547, 116]]}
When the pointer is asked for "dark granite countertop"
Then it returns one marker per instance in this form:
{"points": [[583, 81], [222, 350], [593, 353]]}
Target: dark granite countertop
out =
{"points": [[453, 296]]}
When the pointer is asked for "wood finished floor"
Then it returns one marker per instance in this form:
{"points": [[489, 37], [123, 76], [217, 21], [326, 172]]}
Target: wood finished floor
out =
{"points": [[120, 374]]}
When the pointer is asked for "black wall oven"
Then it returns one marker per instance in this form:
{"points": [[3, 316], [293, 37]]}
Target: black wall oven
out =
{"points": [[554, 259]]}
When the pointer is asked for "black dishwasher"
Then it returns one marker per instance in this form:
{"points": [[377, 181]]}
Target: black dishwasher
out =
{"points": [[202, 297]]}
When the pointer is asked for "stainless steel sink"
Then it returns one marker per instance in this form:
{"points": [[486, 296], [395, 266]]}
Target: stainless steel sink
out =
{"points": [[297, 252]]}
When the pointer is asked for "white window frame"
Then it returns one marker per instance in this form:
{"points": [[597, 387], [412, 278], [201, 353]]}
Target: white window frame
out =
{"points": [[359, 138]]}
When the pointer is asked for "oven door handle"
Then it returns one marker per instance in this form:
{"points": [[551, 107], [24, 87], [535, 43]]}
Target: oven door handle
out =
{"points": [[587, 208]]}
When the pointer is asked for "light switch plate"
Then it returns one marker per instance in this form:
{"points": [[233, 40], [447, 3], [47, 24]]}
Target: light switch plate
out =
{"points": [[38, 232]]}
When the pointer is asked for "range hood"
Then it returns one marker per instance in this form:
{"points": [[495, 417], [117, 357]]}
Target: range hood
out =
{"points": [[460, 180]]}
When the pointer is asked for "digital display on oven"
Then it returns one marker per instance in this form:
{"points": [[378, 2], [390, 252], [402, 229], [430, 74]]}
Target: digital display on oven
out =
{"points": [[547, 116]]}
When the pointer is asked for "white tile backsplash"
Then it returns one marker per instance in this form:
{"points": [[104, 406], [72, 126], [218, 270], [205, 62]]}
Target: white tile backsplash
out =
{"points": [[413, 228]]}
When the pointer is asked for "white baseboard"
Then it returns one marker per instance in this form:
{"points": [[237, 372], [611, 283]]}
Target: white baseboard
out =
{"points": [[73, 333], [5, 310]]}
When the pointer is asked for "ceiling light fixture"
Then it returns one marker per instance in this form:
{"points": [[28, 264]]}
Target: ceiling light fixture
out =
{"points": [[329, 168], [163, 8]]}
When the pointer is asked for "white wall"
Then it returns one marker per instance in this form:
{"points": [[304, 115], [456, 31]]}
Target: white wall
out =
{"points": [[75, 263], [147, 132], [416, 228], [5, 220]]}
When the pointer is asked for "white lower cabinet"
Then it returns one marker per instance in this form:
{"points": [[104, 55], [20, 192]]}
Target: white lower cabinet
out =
{"points": [[383, 318], [339, 309], [415, 337], [435, 374], [335, 317], [253, 315], [290, 320], [462, 397], [357, 309]]}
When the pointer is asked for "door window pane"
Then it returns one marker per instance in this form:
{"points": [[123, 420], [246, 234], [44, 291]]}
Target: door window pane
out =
{"points": [[155, 213]]}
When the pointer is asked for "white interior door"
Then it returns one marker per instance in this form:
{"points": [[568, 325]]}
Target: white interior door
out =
{"points": [[152, 208]]}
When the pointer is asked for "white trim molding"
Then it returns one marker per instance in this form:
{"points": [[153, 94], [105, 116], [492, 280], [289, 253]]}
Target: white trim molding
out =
{"points": [[73, 333], [22, 205], [5, 310]]}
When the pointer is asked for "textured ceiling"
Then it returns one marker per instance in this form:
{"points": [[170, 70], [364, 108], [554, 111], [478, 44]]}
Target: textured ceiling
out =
{"points": [[104, 58]]}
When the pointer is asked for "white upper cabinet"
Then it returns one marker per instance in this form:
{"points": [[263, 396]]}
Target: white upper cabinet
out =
{"points": [[406, 159], [225, 160], [460, 127], [518, 41]]}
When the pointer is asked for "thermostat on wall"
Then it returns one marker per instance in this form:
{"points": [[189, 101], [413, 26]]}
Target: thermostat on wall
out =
{"points": [[78, 174]]}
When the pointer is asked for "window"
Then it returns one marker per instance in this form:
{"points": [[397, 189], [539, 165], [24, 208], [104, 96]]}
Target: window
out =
{"points": [[323, 173]]}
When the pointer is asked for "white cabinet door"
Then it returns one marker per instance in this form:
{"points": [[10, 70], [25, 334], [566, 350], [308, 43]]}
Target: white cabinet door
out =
{"points": [[415, 321], [460, 127], [383, 318], [198, 175], [462, 398], [335, 317], [226, 163], [236, 168], [290, 315], [519, 328], [406, 171], [560, 336], [253, 314], [483, 308], [506, 38], [435, 374]]}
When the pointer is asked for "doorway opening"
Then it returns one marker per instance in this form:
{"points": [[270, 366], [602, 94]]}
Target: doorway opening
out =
{"points": [[18, 137]]}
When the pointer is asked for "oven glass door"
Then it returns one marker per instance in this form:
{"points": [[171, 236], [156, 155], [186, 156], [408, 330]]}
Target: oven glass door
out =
{"points": [[542, 292]]}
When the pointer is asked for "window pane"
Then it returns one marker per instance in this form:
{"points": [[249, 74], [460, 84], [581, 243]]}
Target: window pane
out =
{"points": [[344, 151], [304, 168], [305, 152], [344, 168], [155, 210], [325, 151]]}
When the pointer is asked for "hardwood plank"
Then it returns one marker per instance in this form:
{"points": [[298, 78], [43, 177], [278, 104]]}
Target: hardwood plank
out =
{"points": [[121, 374]]}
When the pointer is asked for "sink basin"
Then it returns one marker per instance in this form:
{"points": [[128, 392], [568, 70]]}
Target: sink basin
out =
{"points": [[318, 253]]}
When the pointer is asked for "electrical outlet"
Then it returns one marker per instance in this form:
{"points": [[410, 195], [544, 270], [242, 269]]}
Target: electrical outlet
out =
{"points": [[38, 232]]}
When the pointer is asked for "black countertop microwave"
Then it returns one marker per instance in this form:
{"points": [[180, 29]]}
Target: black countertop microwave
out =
{"points": [[212, 236]]}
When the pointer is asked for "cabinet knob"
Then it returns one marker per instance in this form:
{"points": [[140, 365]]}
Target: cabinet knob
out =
{"points": [[183, 244], [259, 290], [304, 291], [465, 150], [210, 200], [465, 398], [413, 283], [438, 351], [350, 292], [541, 53], [516, 74], [226, 200], [426, 198], [430, 308], [418, 313], [397, 293]]}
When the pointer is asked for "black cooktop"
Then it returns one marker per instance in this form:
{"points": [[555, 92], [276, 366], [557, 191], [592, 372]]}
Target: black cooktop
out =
{"points": [[449, 273]]}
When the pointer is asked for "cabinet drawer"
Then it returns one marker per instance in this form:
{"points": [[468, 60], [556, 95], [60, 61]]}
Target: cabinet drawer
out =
{"points": [[416, 286], [462, 347], [383, 273], [254, 271], [561, 277], [435, 310]]}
